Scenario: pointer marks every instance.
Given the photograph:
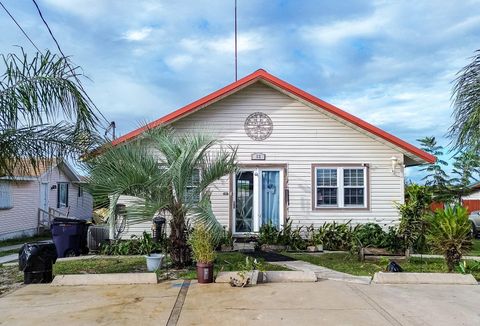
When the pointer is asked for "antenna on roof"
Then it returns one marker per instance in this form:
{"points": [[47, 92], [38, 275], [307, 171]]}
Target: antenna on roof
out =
{"points": [[111, 127], [236, 75]]}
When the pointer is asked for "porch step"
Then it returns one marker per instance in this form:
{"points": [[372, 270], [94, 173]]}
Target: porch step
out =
{"points": [[244, 246]]}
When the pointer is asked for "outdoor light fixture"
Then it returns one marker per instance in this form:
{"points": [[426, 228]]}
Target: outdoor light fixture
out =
{"points": [[53, 187], [394, 163]]}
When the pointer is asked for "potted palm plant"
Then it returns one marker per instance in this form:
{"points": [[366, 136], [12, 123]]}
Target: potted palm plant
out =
{"points": [[203, 251]]}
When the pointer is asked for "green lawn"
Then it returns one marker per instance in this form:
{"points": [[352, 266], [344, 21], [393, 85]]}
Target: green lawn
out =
{"points": [[11, 242], [231, 261], [344, 262], [224, 262], [101, 266]]}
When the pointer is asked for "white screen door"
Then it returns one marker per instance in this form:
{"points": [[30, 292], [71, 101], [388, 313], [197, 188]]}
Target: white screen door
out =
{"points": [[258, 199]]}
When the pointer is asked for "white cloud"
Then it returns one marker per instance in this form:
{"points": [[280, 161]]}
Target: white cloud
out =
{"points": [[178, 62], [246, 42], [138, 34]]}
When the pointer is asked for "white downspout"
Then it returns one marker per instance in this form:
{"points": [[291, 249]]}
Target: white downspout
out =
{"points": [[111, 215]]}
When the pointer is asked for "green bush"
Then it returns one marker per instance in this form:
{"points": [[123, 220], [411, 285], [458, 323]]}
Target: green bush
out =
{"points": [[288, 236], [143, 245], [337, 236], [413, 215], [372, 235]]}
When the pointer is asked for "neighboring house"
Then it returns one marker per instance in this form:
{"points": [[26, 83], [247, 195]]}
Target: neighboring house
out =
{"points": [[472, 201], [29, 195], [300, 157]]}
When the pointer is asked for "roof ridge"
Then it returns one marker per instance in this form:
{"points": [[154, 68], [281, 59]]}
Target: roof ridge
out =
{"points": [[263, 74]]}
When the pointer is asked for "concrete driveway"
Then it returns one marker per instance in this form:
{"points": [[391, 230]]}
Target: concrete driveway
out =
{"points": [[321, 303]]}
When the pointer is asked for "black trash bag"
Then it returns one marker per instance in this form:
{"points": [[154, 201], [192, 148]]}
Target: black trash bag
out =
{"points": [[394, 267], [37, 256]]}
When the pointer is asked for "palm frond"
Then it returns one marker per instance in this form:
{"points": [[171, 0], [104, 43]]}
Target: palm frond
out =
{"points": [[203, 215], [466, 101], [44, 110]]}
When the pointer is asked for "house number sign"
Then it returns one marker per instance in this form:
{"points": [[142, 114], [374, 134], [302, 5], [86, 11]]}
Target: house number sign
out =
{"points": [[258, 126], [258, 157]]}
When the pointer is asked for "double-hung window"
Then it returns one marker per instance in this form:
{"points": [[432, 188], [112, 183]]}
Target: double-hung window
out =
{"points": [[5, 195], [62, 194], [191, 194], [340, 187]]}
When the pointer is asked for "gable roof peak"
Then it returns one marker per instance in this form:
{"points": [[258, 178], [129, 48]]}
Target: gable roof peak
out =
{"points": [[423, 156]]}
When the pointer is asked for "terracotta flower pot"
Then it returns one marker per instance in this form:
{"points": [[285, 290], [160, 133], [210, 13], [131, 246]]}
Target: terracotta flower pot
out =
{"points": [[205, 273]]}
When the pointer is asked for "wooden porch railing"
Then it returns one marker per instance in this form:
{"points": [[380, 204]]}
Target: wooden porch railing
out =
{"points": [[44, 218]]}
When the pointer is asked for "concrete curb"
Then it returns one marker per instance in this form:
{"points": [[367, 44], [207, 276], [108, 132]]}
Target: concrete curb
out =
{"points": [[270, 277], [424, 278], [105, 279]]}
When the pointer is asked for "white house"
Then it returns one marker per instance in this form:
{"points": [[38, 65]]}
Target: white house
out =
{"points": [[300, 157], [28, 196]]}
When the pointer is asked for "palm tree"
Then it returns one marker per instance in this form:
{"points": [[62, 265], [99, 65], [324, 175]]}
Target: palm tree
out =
{"points": [[44, 111], [449, 234], [465, 129], [172, 174]]}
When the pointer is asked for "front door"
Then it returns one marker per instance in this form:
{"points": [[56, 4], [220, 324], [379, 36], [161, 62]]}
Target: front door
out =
{"points": [[258, 199], [44, 196]]}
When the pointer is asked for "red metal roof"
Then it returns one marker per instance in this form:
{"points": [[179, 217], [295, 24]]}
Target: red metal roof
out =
{"points": [[263, 75]]}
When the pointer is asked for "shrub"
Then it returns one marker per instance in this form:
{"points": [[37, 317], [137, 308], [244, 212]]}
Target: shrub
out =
{"points": [[413, 214], [369, 235], [269, 235], [449, 234], [288, 236], [202, 244], [226, 239], [143, 245], [336, 236]]}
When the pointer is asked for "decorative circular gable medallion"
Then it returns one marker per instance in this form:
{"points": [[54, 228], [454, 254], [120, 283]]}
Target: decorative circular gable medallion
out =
{"points": [[258, 126]]}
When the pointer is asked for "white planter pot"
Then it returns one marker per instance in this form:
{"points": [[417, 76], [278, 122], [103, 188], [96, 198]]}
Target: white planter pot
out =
{"points": [[320, 247], [154, 262]]}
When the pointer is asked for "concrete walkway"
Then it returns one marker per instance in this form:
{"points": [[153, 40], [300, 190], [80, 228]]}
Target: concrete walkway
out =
{"points": [[12, 247], [8, 258], [319, 303], [477, 258], [12, 257], [324, 273]]}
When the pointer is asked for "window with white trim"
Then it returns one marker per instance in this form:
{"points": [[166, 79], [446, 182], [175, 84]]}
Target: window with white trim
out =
{"points": [[340, 187], [62, 194], [191, 195], [5, 195]]}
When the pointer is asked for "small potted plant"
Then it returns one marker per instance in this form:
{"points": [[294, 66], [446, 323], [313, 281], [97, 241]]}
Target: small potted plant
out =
{"points": [[203, 251], [226, 243], [148, 247]]}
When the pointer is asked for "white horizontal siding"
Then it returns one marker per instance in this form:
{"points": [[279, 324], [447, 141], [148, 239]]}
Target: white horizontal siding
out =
{"points": [[22, 217], [301, 136], [80, 207]]}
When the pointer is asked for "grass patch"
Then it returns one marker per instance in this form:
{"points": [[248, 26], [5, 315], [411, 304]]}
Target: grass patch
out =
{"points": [[8, 252], [347, 263], [16, 241], [101, 266], [230, 261], [225, 262]]}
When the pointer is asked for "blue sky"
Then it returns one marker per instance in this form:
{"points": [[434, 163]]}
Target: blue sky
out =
{"points": [[389, 62]]}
